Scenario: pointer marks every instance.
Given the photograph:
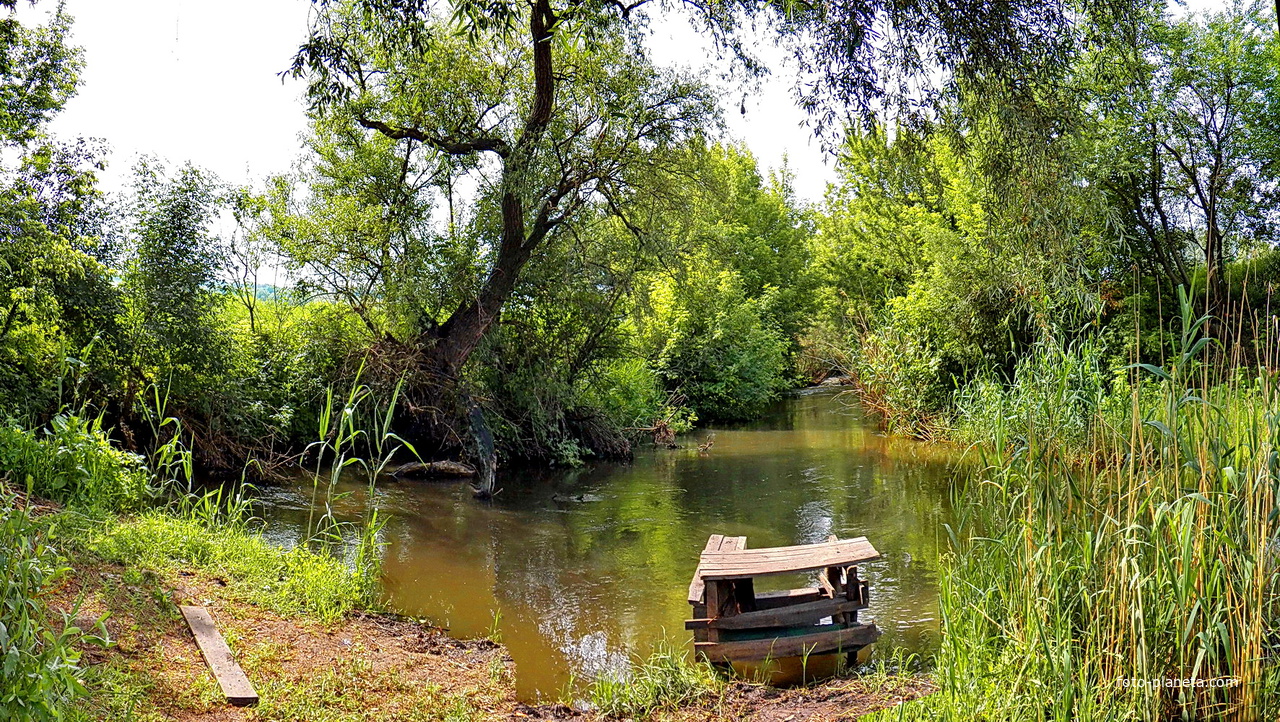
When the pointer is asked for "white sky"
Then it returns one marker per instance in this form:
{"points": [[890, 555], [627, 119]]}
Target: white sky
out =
{"points": [[197, 80]]}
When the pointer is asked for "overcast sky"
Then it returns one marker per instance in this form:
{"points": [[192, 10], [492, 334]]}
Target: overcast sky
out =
{"points": [[199, 81]]}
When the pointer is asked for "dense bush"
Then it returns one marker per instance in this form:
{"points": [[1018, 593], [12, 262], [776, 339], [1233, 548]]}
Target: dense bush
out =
{"points": [[74, 462], [712, 344]]}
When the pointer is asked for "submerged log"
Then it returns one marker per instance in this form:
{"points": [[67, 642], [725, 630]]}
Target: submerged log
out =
{"points": [[437, 469]]}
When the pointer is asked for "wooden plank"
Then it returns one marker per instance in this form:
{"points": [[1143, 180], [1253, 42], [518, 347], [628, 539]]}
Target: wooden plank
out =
{"points": [[716, 542], [235, 686], [715, 605], [747, 563], [833, 639], [827, 589], [786, 597], [696, 585], [806, 614], [798, 615]]}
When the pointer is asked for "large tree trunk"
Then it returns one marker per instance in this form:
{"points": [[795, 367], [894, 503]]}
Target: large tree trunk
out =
{"points": [[452, 343]]}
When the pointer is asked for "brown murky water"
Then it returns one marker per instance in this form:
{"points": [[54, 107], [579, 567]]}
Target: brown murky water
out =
{"points": [[582, 570]]}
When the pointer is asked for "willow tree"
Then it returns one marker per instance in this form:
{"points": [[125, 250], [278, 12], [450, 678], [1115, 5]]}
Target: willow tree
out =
{"points": [[544, 144]]}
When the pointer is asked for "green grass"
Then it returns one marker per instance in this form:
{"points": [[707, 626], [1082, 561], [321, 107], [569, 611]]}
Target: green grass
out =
{"points": [[290, 582], [1135, 547], [665, 680]]}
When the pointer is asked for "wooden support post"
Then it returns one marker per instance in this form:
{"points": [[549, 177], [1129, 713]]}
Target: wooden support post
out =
{"points": [[854, 591], [836, 580], [235, 686], [715, 600]]}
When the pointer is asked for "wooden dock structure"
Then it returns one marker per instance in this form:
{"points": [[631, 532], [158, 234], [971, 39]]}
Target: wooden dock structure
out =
{"points": [[734, 623]]}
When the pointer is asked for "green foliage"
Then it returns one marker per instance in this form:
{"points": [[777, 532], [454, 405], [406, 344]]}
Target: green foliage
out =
{"points": [[665, 680], [38, 74], [39, 650], [56, 296], [752, 225], [294, 581], [73, 461], [170, 278], [1065, 389], [710, 342], [632, 394], [900, 376]]}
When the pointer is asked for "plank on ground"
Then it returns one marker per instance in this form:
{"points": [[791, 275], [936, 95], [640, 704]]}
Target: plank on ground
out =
{"points": [[848, 639], [721, 565], [235, 685]]}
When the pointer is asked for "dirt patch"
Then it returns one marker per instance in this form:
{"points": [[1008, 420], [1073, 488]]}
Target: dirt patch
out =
{"points": [[367, 667], [840, 699]]}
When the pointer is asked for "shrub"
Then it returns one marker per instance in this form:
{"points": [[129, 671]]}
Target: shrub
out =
{"points": [[631, 394], [74, 462], [712, 344], [39, 656]]}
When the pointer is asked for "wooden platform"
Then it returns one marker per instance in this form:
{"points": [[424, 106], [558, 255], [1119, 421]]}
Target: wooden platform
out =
{"points": [[825, 639], [732, 623], [741, 563]]}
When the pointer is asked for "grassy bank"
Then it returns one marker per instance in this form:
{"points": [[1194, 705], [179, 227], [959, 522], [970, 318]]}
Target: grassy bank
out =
{"points": [[90, 534]]}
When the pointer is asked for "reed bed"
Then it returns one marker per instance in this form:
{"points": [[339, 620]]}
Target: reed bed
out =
{"points": [[1126, 568]]}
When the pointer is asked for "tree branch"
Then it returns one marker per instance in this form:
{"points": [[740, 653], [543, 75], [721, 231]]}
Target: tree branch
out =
{"points": [[444, 145]]}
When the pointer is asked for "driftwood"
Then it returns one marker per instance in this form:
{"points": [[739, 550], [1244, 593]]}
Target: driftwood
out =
{"points": [[420, 469]]}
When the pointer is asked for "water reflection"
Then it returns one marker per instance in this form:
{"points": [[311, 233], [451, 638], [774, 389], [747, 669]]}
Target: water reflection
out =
{"points": [[581, 570]]}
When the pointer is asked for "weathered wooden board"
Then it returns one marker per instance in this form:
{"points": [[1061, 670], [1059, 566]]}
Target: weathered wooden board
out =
{"points": [[716, 543], [746, 563], [829, 640], [235, 686], [805, 614], [788, 597]]}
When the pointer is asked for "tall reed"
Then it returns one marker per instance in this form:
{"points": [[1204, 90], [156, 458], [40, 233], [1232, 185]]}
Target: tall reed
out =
{"points": [[354, 439], [1139, 582]]}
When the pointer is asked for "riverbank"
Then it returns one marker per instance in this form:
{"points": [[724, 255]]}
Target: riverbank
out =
{"points": [[360, 666]]}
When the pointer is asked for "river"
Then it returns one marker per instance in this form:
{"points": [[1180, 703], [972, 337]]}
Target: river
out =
{"points": [[582, 570]]}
